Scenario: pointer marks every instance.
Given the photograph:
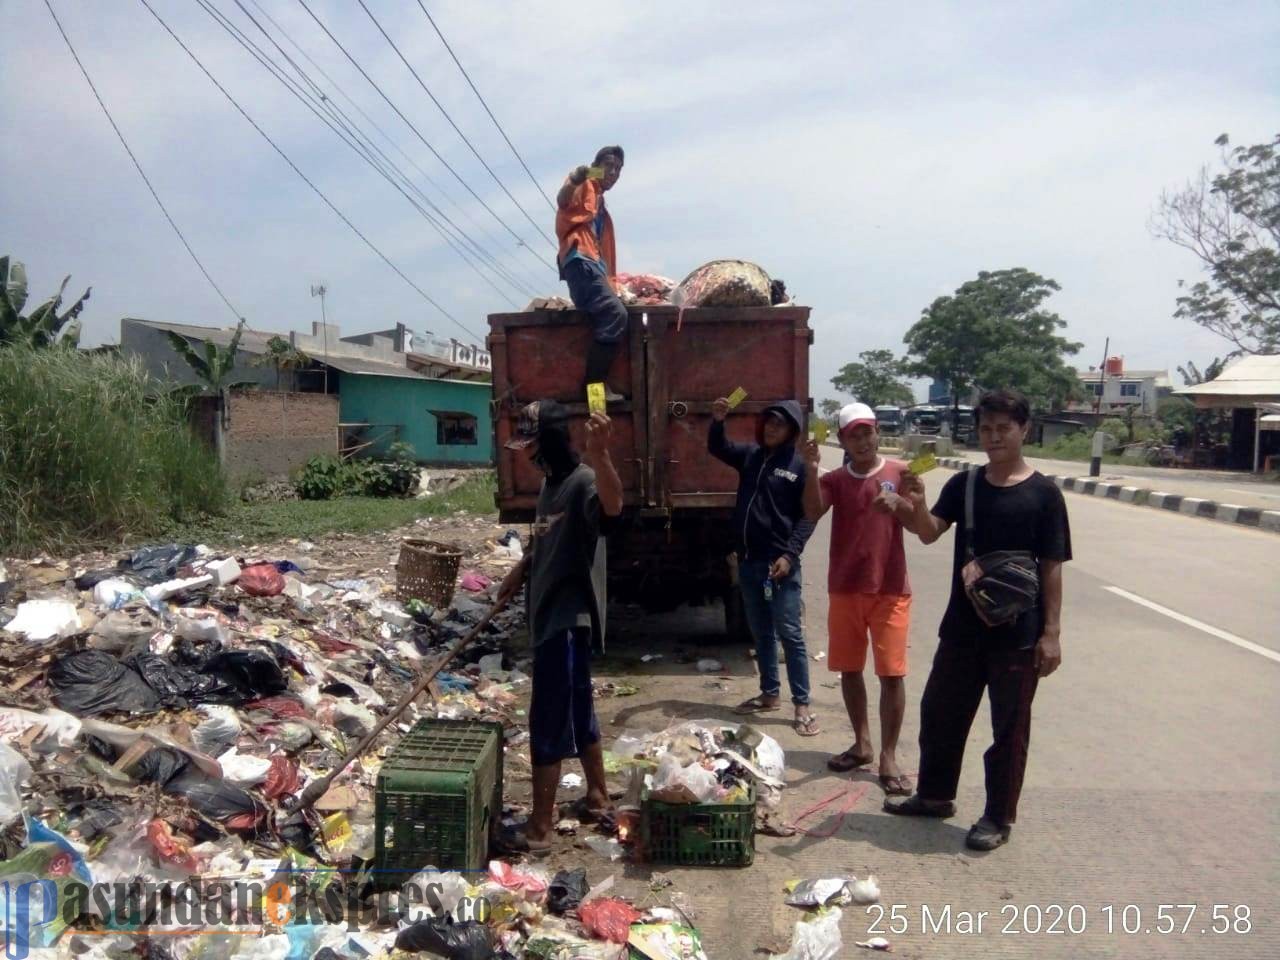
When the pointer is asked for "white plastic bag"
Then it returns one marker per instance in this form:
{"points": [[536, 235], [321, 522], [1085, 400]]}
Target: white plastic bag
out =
{"points": [[438, 893], [673, 783], [60, 729], [114, 594], [817, 939], [219, 732], [14, 770], [242, 769]]}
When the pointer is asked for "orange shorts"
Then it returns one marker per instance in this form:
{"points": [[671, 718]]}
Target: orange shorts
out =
{"points": [[854, 616]]}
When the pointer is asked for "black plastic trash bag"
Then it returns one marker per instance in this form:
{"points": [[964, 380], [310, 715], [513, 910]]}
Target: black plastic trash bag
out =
{"points": [[452, 941], [566, 891], [160, 765], [218, 800], [246, 675], [179, 686], [91, 682], [158, 564]]}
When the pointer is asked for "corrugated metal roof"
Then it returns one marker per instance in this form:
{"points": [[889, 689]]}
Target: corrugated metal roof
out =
{"points": [[1255, 376], [251, 341], [372, 368]]}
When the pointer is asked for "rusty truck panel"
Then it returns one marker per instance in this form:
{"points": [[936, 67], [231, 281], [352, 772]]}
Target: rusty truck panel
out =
{"points": [[679, 500]]}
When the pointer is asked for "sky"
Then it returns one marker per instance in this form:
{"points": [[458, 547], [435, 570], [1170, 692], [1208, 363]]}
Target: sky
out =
{"points": [[873, 155]]}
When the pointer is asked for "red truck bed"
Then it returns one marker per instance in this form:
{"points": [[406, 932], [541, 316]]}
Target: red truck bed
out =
{"points": [[675, 367]]}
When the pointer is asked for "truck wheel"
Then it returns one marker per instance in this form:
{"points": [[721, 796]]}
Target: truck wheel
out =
{"points": [[736, 628]]}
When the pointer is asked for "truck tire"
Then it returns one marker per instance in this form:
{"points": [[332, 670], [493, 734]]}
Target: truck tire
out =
{"points": [[736, 628]]}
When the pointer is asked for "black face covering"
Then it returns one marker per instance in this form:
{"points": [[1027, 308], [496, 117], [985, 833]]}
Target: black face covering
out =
{"points": [[555, 455]]}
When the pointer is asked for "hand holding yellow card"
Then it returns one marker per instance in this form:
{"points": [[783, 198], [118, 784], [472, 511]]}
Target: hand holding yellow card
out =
{"points": [[595, 398], [595, 173], [820, 430], [923, 464], [736, 397]]}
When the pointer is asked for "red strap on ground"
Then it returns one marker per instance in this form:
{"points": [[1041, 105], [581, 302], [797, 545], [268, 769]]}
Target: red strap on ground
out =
{"points": [[851, 797]]}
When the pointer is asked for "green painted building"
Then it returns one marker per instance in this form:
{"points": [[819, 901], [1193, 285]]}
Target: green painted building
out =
{"points": [[446, 422]]}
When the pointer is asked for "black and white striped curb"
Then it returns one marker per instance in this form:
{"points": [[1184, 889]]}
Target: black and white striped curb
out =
{"points": [[1173, 502]]}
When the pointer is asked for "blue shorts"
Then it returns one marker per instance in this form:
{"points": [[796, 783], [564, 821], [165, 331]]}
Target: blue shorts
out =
{"points": [[562, 716]]}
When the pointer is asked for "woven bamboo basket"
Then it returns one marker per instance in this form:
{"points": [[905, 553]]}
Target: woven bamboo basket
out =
{"points": [[427, 571]]}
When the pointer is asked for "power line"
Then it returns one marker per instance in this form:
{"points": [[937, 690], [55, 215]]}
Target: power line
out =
{"points": [[456, 128], [347, 135], [457, 176], [329, 203], [486, 106], [145, 179], [383, 133], [347, 123]]}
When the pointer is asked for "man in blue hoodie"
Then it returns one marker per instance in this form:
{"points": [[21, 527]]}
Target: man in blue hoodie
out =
{"points": [[771, 531]]}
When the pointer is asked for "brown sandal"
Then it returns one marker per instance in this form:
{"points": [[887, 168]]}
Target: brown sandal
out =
{"points": [[755, 705], [844, 762]]}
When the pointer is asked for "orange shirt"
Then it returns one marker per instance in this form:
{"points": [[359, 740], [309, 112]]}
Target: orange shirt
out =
{"points": [[575, 226]]}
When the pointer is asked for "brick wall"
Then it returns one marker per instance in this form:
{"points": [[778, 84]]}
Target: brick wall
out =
{"points": [[272, 433]]}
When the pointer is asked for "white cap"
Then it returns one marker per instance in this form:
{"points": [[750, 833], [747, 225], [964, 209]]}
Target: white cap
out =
{"points": [[851, 414]]}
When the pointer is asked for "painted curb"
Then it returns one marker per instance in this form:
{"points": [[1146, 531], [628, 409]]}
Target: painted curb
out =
{"points": [[1254, 517]]}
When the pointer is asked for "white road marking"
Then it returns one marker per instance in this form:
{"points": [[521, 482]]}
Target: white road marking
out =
{"points": [[1254, 493], [1199, 625]]}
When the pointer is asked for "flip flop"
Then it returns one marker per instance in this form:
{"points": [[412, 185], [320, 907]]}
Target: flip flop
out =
{"points": [[755, 705], [807, 726], [899, 786], [848, 760]]}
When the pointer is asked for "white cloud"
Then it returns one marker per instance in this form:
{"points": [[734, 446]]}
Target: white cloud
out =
{"points": [[872, 156]]}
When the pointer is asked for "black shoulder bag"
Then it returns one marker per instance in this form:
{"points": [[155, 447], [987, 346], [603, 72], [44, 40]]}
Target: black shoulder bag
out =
{"points": [[1009, 584]]}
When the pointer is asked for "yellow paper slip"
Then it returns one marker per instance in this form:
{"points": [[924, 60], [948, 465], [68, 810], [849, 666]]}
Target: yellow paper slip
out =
{"points": [[820, 430], [595, 173], [923, 464], [595, 398], [736, 397]]}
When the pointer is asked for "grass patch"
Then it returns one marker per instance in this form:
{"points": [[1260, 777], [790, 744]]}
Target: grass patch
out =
{"points": [[312, 519], [90, 450]]}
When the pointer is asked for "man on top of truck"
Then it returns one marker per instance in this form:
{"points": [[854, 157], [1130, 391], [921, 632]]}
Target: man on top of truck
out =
{"points": [[588, 259], [566, 572], [770, 525]]}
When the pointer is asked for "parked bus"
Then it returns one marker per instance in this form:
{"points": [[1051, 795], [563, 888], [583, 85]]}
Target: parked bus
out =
{"points": [[889, 420]]}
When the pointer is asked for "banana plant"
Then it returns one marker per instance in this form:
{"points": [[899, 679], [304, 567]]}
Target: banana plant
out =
{"points": [[282, 355], [213, 369], [44, 326], [217, 362]]}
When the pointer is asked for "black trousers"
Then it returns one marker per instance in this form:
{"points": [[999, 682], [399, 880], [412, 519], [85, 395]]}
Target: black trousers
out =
{"points": [[961, 671]]}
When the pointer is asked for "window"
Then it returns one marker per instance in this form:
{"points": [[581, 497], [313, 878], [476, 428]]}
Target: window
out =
{"points": [[455, 429], [1129, 389], [1095, 389]]}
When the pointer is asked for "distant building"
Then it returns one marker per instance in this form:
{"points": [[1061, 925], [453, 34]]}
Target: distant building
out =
{"points": [[382, 393], [1114, 390], [1250, 389]]}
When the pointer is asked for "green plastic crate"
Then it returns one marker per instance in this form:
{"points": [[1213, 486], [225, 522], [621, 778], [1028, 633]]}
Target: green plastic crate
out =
{"points": [[699, 834], [438, 799]]}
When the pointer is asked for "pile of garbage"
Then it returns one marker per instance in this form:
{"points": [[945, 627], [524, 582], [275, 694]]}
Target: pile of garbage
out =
{"points": [[161, 712], [702, 761], [648, 289]]}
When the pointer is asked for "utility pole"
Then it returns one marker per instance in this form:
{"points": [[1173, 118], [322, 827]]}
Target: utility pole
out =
{"points": [[319, 290], [1099, 442]]}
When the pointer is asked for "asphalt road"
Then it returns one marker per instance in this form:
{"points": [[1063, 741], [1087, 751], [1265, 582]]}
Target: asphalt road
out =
{"points": [[1153, 778], [1234, 487]]}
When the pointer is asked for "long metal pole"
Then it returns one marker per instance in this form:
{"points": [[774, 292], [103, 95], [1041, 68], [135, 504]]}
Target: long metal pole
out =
{"points": [[1095, 462]]}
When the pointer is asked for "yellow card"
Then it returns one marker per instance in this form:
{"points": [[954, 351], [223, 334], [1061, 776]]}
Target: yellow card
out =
{"points": [[923, 464], [736, 397], [595, 173], [820, 430], [595, 398]]}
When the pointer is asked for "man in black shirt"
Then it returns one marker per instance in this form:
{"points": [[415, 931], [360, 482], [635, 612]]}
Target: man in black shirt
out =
{"points": [[1016, 508], [565, 570]]}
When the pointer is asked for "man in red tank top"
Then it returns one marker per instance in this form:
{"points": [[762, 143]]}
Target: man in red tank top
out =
{"points": [[870, 595]]}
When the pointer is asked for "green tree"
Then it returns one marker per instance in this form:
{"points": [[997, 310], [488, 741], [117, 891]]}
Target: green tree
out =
{"points": [[995, 332], [1231, 221], [44, 326], [282, 355], [830, 410], [1212, 426], [875, 379]]}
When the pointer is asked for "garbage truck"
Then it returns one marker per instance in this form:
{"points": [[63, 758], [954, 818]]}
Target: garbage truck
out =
{"points": [[675, 542]]}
